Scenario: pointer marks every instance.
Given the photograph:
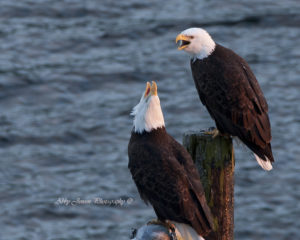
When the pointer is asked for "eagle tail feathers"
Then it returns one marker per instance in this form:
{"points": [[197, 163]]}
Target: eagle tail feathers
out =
{"points": [[265, 164]]}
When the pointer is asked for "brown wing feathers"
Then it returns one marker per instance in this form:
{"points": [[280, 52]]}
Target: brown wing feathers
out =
{"points": [[167, 178]]}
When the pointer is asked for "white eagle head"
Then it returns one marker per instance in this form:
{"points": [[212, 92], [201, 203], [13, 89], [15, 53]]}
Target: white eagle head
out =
{"points": [[196, 42], [148, 114]]}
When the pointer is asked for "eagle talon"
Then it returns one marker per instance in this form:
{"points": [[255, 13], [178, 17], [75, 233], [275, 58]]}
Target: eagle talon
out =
{"points": [[169, 225], [172, 230], [215, 132]]}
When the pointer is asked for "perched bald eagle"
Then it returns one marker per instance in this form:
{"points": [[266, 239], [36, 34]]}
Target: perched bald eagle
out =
{"points": [[164, 172], [229, 90]]}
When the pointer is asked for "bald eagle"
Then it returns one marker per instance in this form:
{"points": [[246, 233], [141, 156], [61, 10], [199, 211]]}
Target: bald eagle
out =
{"points": [[229, 90], [164, 172]]}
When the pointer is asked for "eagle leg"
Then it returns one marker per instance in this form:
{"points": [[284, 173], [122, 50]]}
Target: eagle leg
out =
{"points": [[214, 132]]}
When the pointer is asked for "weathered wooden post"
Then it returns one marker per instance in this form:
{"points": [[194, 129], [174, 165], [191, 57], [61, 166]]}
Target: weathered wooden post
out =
{"points": [[214, 158]]}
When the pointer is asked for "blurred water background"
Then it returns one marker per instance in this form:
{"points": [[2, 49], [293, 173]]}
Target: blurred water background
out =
{"points": [[70, 73]]}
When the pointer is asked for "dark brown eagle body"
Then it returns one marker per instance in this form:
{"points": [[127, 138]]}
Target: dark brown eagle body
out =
{"points": [[232, 96], [167, 178]]}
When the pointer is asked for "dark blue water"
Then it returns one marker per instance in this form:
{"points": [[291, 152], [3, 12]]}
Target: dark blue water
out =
{"points": [[70, 73]]}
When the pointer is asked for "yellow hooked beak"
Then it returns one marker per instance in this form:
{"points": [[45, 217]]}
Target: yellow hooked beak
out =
{"points": [[185, 41], [154, 89], [147, 91]]}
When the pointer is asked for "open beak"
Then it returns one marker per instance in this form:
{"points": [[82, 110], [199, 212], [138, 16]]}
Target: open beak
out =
{"points": [[154, 89], [183, 40], [147, 91]]}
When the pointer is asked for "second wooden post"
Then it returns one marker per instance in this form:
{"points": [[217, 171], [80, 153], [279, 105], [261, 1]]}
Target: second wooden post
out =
{"points": [[214, 158]]}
